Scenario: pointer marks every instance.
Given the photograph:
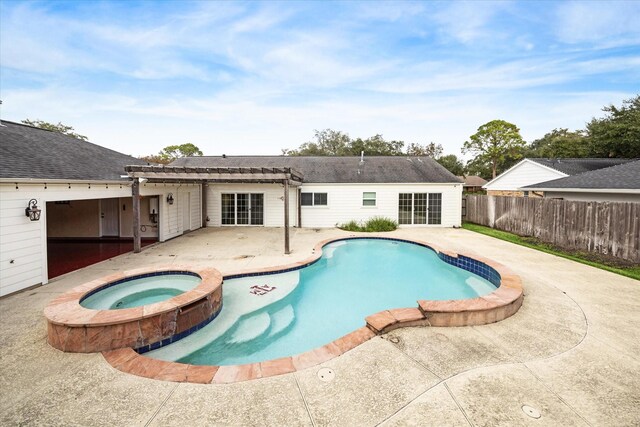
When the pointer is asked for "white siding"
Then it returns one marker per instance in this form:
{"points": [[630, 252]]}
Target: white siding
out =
{"points": [[273, 202], [23, 243], [524, 173], [171, 215], [344, 203], [594, 197]]}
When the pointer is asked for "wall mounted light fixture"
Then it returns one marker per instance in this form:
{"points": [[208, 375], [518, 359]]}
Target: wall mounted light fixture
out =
{"points": [[32, 210], [170, 198]]}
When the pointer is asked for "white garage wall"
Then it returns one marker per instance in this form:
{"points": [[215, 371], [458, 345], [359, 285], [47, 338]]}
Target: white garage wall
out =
{"points": [[23, 243], [344, 203]]}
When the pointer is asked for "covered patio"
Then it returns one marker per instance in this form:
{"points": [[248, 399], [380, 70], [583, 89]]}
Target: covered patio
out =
{"points": [[288, 177]]}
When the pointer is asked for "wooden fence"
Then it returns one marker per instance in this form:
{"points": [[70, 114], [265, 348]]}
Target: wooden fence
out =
{"points": [[610, 228]]}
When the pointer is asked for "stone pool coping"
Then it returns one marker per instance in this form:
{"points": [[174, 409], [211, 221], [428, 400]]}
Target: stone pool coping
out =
{"points": [[74, 328], [496, 306]]}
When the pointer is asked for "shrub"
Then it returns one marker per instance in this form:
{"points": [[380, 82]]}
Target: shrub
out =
{"points": [[379, 223], [352, 225], [374, 224]]}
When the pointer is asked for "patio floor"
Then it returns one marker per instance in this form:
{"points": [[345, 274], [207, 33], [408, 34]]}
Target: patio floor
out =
{"points": [[571, 352]]}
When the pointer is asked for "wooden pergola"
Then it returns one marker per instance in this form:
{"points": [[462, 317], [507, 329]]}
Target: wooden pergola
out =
{"points": [[204, 175]]}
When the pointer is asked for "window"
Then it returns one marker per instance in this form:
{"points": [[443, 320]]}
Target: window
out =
{"points": [[313, 199], [368, 199]]}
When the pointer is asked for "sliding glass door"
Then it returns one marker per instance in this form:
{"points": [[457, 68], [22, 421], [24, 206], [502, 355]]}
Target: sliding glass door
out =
{"points": [[242, 209], [420, 208]]}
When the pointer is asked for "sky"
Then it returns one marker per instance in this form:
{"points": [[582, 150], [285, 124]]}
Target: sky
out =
{"points": [[256, 77]]}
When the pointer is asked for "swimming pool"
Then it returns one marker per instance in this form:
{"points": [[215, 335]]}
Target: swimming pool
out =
{"points": [[266, 317], [139, 291]]}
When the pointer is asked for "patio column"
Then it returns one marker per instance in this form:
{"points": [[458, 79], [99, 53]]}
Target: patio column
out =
{"points": [[204, 204], [299, 205], [286, 217], [135, 191]]}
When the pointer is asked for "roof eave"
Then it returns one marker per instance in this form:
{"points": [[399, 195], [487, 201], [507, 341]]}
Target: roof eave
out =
{"points": [[584, 190]]}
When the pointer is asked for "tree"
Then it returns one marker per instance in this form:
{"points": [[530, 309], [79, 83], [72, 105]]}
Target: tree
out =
{"points": [[617, 134], [330, 142], [375, 146], [172, 152], [494, 142], [452, 164], [431, 149], [60, 128], [560, 143]]}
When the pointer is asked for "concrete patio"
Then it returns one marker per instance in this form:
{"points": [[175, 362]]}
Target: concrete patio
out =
{"points": [[571, 352]]}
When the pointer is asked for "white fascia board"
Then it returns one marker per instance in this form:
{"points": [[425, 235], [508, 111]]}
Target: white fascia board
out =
{"points": [[324, 184], [61, 181], [561, 174], [584, 190]]}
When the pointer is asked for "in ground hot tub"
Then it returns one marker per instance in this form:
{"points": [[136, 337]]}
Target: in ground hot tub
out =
{"points": [[141, 290], [142, 309]]}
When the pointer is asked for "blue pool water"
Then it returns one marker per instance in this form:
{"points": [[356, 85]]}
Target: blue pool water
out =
{"points": [[141, 291], [310, 307]]}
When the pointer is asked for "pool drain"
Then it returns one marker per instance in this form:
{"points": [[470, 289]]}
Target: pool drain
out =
{"points": [[531, 412], [326, 375]]}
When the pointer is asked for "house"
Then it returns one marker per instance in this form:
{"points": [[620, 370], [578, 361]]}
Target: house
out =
{"points": [[84, 201], [620, 183], [472, 183], [63, 198], [412, 190], [535, 170]]}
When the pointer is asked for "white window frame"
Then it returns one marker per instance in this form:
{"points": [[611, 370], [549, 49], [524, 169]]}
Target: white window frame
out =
{"points": [[368, 199]]}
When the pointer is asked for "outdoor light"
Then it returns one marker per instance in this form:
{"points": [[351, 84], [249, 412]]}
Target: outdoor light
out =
{"points": [[170, 198], [32, 210]]}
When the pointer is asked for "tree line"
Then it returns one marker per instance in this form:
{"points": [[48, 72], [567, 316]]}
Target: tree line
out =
{"points": [[495, 147]]}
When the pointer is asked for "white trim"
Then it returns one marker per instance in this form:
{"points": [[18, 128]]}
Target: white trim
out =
{"points": [[585, 190], [309, 184], [61, 181], [497, 178]]}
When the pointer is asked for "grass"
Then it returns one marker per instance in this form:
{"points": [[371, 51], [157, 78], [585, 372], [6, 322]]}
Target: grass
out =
{"points": [[372, 225], [632, 271]]}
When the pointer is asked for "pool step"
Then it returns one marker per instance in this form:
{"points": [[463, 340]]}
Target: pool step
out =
{"points": [[281, 319], [251, 328]]}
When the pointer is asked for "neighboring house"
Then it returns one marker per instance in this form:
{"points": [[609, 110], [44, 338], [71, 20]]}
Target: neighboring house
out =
{"points": [[620, 183], [473, 183], [83, 197], [534, 170]]}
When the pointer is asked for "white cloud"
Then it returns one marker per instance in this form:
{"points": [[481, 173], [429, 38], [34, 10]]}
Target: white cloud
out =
{"points": [[601, 23]]}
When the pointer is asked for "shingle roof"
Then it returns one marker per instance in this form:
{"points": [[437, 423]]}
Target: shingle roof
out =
{"points": [[33, 153], [623, 177], [473, 181], [573, 166], [344, 169]]}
